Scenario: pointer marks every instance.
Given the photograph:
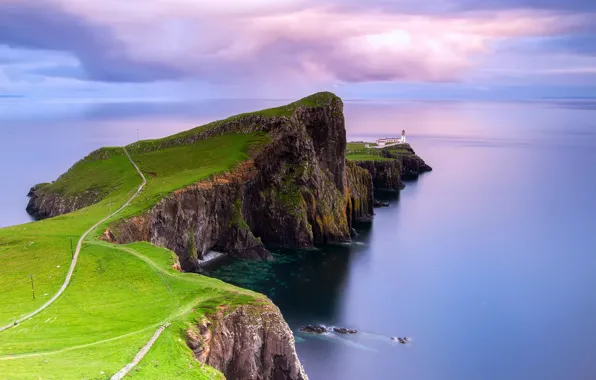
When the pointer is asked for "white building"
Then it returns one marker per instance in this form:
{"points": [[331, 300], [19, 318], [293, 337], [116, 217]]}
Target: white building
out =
{"points": [[392, 140]]}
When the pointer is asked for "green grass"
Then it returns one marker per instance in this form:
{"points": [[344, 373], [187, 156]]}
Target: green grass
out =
{"points": [[316, 100], [171, 359], [357, 145], [92, 178], [119, 295], [357, 151], [366, 157], [134, 291]]}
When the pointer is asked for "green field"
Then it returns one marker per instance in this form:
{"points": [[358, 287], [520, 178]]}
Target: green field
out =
{"points": [[119, 295], [357, 151]]}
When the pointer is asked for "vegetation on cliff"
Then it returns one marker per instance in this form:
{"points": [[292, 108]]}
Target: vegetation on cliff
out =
{"points": [[121, 293], [357, 151]]}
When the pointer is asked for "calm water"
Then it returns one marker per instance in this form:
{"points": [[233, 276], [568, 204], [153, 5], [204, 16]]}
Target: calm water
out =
{"points": [[488, 263]]}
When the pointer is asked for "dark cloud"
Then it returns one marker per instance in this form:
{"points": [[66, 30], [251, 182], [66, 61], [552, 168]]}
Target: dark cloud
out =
{"points": [[103, 57]]}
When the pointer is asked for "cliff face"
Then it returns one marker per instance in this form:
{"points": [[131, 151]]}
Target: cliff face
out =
{"points": [[360, 197], [47, 204], [403, 165], [411, 166], [386, 175], [295, 192], [252, 342]]}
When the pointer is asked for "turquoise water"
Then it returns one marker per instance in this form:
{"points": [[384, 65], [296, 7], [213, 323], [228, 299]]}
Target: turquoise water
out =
{"points": [[488, 263]]}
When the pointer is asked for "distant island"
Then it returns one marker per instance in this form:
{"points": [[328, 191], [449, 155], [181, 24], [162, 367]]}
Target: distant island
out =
{"points": [[282, 177]]}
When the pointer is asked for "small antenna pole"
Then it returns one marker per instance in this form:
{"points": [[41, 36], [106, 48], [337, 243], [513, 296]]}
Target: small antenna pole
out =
{"points": [[32, 285]]}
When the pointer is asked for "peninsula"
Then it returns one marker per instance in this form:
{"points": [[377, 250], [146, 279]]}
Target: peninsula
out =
{"points": [[282, 177]]}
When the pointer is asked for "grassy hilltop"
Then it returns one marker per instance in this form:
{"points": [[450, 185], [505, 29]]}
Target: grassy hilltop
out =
{"points": [[119, 295]]}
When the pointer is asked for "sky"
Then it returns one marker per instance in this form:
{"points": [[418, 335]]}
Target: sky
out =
{"points": [[272, 49]]}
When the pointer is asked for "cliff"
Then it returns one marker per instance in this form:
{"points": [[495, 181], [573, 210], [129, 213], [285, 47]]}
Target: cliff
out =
{"points": [[391, 166], [295, 191], [359, 197], [45, 203], [386, 175], [250, 342]]}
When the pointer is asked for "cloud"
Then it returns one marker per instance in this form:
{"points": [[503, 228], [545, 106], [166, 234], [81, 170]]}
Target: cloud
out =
{"points": [[283, 41]]}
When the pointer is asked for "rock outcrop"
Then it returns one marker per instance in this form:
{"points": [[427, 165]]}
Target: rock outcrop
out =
{"points": [[47, 200], [295, 192], [412, 166], [47, 204], [359, 194], [386, 175], [250, 342], [402, 165]]}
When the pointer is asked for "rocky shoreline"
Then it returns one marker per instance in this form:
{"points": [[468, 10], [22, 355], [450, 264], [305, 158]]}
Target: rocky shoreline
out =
{"points": [[298, 191]]}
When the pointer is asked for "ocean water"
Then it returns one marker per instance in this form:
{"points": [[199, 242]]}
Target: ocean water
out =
{"points": [[488, 263]]}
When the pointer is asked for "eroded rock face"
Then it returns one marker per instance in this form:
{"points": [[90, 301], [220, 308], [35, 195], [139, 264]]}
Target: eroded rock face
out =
{"points": [[47, 204], [359, 194], [251, 342], [296, 192], [390, 174], [386, 175], [412, 166]]}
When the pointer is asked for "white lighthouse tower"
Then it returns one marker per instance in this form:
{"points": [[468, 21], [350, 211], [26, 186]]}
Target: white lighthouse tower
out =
{"points": [[403, 136]]}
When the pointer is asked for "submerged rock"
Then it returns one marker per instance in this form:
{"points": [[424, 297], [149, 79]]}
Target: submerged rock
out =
{"points": [[381, 203], [314, 329], [401, 340], [343, 330]]}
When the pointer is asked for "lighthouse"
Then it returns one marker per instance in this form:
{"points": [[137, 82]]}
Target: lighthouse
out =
{"points": [[403, 136]]}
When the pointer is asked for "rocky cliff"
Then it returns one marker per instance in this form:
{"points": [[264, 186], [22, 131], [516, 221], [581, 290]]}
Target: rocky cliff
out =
{"points": [[359, 194], [386, 175], [294, 192], [47, 204], [401, 165], [250, 342]]}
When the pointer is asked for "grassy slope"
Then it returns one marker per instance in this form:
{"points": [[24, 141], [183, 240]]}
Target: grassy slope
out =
{"points": [[119, 295], [115, 296]]}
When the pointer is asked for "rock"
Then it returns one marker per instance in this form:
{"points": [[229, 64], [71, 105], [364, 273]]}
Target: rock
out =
{"points": [[381, 203], [386, 175], [44, 203], [249, 342], [297, 192], [359, 194], [390, 174], [401, 340], [343, 330], [314, 329]]}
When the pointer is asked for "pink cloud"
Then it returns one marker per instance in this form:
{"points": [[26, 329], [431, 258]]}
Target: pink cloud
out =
{"points": [[221, 40]]}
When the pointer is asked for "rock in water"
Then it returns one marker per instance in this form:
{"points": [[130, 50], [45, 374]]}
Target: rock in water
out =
{"points": [[314, 329], [343, 330]]}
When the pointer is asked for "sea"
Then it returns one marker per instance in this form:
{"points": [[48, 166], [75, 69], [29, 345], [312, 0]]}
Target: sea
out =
{"points": [[487, 264]]}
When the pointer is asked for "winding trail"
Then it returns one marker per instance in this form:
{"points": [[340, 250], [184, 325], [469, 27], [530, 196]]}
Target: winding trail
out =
{"points": [[78, 250], [140, 355]]}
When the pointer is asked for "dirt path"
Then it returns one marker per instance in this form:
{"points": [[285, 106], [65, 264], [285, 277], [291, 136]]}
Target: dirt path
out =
{"points": [[140, 355], [78, 250]]}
